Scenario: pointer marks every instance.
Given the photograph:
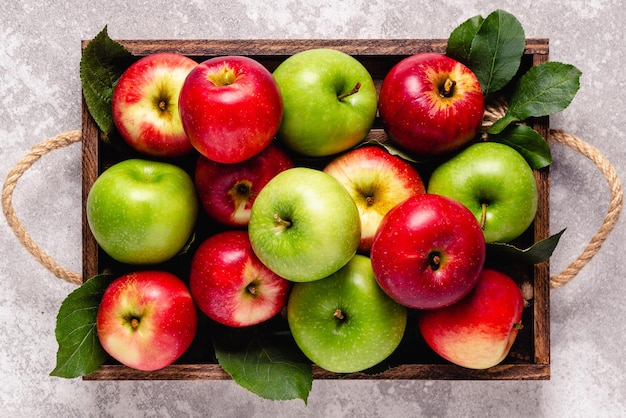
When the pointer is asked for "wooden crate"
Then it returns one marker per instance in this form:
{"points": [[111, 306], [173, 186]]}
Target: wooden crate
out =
{"points": [[529, 357]]}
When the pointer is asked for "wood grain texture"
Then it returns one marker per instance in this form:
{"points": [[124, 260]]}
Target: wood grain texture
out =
{"points": [[530, 356]]}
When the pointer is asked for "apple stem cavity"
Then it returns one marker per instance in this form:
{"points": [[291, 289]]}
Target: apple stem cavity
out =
{"points": [[133, 321], [447, 90], [280, 222], [242, 190], [225, 77], [434, 260], [339, 314], [354, 90], [252, 289]]}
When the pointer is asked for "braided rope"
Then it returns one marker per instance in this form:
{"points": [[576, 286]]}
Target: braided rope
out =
{"points": [[491, 114], [35, 153], [613, 211]]}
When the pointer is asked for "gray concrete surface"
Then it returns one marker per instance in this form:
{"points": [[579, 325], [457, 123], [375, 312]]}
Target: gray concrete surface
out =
{"points": [[40, 97]]}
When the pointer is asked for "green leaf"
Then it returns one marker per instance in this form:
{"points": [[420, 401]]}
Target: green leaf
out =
{"points": [[537, 253], [80, 352], [268, 365], [543, 90], [496, 51], [528, 142], [390, 148], [101, 65], [460, 40]]}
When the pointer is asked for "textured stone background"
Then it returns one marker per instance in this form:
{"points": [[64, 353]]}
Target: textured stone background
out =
{"points": [[40, 97]]}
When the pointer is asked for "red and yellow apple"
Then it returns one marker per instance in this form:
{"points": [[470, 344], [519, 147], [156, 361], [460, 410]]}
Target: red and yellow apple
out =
{"points": [[431, 104], [231, 286], [377, 182], [478, 331], [146, 320], [144, 105]]}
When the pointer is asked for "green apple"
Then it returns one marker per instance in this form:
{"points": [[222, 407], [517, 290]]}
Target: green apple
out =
{"points": [[496, 183], [329, 101], [304, 225], [345, 323], [142, 212]]}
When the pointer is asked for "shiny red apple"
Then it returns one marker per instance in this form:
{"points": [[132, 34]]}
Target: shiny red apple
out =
{"points": [[146, 320], [428, 252], [478, 331], [377, 181], [144, 105], [227, 191], [231, 285], [230, 107], [431, 104]]}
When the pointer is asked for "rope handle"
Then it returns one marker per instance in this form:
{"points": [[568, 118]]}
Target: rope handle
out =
{"points": [[556, 281]]}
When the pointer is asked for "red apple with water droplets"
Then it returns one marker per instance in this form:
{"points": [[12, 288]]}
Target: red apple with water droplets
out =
{"points": [[431, 104], [230, 107], [231, 285], [146, 320], [227, 191], [428, 252], [144, 105], [478, 331]]}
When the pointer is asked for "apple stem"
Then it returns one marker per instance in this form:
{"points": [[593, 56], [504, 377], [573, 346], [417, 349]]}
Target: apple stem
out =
{"points": [[434, 261], [338, 314], [281, 222], [251, 288], [162, 105], [351, 92], [483, 216], [134, 323], [448, 88]]}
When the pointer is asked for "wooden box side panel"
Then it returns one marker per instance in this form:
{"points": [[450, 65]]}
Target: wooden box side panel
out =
{"points": [[378, 56]]}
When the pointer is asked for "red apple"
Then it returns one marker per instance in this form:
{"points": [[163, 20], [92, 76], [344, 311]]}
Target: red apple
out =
{"points": [[431, 104], [227, 191], [231, 108], [231, 286], [428, 252], [145, 105], [478, 331], [377, 181], [146, 320]]}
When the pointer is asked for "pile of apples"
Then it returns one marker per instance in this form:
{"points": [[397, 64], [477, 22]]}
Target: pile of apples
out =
{"points": [[340, 236]]}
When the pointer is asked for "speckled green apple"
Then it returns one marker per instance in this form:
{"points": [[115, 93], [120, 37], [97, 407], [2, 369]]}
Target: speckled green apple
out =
{"points": [[329, 101], [141, 211], [304, 225], [345, 323], [493, 181]]}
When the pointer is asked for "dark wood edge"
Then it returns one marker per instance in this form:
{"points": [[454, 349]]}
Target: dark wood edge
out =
{"points": [[363, 47], [541, 300], [403, 372], [90, 173]]}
